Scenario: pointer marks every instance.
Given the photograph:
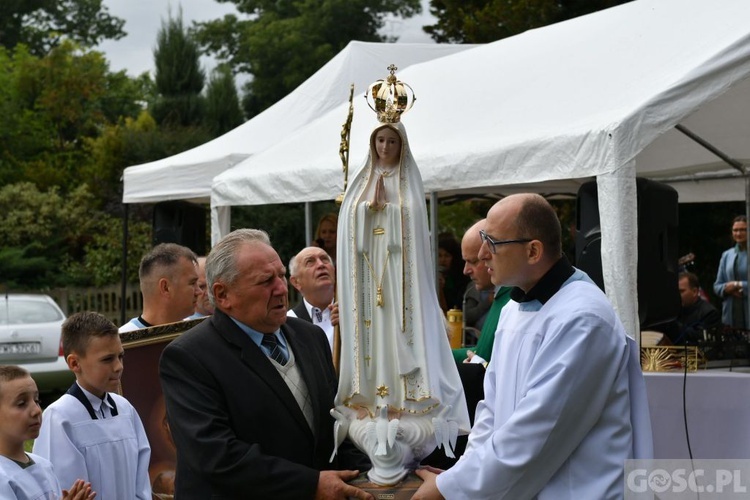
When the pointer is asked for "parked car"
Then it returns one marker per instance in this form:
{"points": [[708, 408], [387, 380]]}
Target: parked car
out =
{"points": [[30, 330]]}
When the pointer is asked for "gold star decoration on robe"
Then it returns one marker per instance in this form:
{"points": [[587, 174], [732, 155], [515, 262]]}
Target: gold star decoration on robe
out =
{"points": [[382, 391]]}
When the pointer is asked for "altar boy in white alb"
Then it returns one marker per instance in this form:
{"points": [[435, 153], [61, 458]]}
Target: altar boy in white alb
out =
{"points": [[90, 432], [565, 402]]}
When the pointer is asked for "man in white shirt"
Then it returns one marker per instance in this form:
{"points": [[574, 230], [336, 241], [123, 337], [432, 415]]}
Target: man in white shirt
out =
{"points": [[203, 305], [312, 273], [565, 402], [168, 275]]}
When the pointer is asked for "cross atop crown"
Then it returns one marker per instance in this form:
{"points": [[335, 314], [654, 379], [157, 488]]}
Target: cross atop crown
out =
{"points": [[390, 97]]}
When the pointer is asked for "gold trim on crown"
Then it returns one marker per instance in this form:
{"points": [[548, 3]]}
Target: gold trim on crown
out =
{"points": [[390, 97]]}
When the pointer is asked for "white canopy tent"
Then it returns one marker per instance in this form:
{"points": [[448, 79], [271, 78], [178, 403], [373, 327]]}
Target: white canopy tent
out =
{"points": [[188, 175], [597, 96]]}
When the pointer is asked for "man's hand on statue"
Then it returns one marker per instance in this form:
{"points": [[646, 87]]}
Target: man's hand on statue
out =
{"points": [[428, 490], [334, 308], [332, 485], [430, 468]]}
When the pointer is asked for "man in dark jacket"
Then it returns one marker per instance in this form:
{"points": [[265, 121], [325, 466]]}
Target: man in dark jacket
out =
{"points": [[696, 315], [248, 391]]}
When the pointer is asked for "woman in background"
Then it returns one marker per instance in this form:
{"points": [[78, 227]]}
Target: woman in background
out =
{"points": [[452, 284], [731, 278], [325, 234]]}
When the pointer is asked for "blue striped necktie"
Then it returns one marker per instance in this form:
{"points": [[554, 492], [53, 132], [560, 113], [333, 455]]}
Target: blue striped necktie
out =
{"points": [[269, 342]]}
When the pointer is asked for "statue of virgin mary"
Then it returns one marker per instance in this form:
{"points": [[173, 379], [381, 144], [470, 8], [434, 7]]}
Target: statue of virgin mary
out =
{"points": [[399, 391]]}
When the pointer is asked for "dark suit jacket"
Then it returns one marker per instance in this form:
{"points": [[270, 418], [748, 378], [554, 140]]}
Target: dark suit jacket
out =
{"points": [[238, 430], [301, 311]]}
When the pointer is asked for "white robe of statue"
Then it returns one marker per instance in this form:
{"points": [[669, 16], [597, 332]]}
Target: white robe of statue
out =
{"points": [[399, 390]]}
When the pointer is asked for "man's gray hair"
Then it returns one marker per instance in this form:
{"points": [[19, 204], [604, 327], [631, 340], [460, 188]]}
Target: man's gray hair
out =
{"points": [[293, 265], [221, 263]]}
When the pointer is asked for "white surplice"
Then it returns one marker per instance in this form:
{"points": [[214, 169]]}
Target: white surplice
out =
{"points": [[111, 453], [36, 482], [563, 408]]}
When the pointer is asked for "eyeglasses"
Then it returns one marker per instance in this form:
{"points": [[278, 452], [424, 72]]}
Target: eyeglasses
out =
{"points": [[493, 244]]}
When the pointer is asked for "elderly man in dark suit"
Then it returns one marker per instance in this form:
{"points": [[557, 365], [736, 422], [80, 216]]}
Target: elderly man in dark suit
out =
{"points": [[248, 391]]}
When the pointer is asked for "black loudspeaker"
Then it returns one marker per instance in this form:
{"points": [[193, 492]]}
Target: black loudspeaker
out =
{"points": [[658, 295], [180, 222]]}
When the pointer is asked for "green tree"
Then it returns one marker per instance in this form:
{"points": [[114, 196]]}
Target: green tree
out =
{"points": [[179, 76], [43, 24], [223, 112], [483, 21], [282, 43], [41, 230], [102, 261], [51, 105], [132, 142]]}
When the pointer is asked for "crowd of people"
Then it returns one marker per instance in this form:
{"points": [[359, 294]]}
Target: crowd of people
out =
{"points": [[254, 404], [248, 392]]}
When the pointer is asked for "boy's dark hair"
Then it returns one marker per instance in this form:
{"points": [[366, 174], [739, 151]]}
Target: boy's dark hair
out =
{"points": [[79, 328], [9, 373]]}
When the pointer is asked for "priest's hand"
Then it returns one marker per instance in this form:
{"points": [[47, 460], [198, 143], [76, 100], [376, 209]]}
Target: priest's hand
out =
{"points": [[332, 485], [428, 490], [474, 358]]}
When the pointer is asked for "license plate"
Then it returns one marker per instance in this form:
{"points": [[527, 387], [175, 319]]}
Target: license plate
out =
{"points": [[21, 348]]}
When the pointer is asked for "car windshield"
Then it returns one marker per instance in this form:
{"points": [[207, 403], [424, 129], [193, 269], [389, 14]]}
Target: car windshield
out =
{"points": [[24, 312]]}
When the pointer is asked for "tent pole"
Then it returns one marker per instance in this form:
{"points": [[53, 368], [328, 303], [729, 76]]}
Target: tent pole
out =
{"points": [[124, 272], [434, 231], [722, 155], [747, 215], [308, 223]]}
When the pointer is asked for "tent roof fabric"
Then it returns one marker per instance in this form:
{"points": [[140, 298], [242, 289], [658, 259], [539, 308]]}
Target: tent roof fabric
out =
{"points": [[188, 175], [573, 100]]}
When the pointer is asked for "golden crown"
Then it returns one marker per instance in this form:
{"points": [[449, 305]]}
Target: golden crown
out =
{"points": [[390, 97]]}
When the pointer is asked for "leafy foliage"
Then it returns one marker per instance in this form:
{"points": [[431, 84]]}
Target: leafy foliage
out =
{"points": [[223, 112], [483, 21], [51, 105], [40, 230], [179, 76], [132, 142], [42, 25], [284, 42], [102, 261]]}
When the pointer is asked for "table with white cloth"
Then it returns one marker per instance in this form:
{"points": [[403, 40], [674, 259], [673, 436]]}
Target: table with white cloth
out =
{"points": [[718, 414]]}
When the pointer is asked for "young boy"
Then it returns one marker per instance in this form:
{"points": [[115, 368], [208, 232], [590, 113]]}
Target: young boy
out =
{"points": [[23, 475], [90, 432]]}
